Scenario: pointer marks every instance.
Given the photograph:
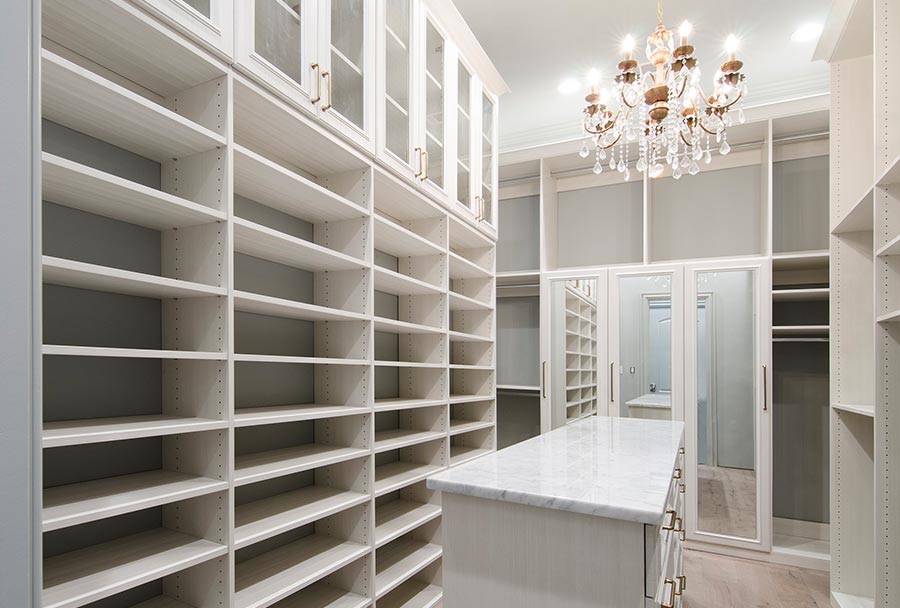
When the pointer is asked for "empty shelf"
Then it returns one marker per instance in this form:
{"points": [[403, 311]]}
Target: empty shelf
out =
{"points": [[398, 561], [891, 317], [84, 188], [460, 336], [323, 595], [891, 175], [267, 182], [846, 600], [861, 216], [401, 242], [265, 518], [403, 403], [413, 594], [268, 244], [396, 518], [80, 503], [162, 601], [395, 475], [469, 398], [477, 368], [461, 268], [803, 260], [80, 275], [461, 302], [464, 426], [891, 248], [129, 353], [274, 575], [399, 200], [99, 430], [250, 468], [398, 284], [462, 453], [466, 236], [289, 309], [518, 388], [81, 100], [862, 410], [252, 416], [800, 295], [402, 327], [415, 364], [87, 575], [247, 358], [394, 439]]}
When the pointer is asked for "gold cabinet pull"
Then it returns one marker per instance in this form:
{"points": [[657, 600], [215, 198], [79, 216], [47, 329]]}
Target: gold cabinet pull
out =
{"points": [[765, 388], [318, 97], [672, 515], [544, 379], [612, 390], [419, 153], [671, 585], [677, 474], [681, 451], [681, 488], [679, 528], [327, 76], [425, 174], [682, 584]]}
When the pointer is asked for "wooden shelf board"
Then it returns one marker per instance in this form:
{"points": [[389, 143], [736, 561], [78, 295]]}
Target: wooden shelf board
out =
{"points": [[323, 595], [394, 439], [459, 336], [129, 353], [79, 503], [397, 284], [847, 600], [403, 403], [274, 575], [395, 518], [891, 248], [266, 182], [260, 466], [518, 388], [455, 399], [162, 601], [513, 278], [251, 358], [461, 268], [78, 186], [289, 309], [401, 201], [401, 242], [458, 427], [276, 414], [475, 368], [268, 244], [402, 327], [79, 99], [410, 364], [396, 562], [861, 216], [268, 517], [802, 260], [80, 275], [799, 330], [396, 475], [99, 430], [93, 573], [464, 235], [891, 175], [461, 453], [890, 317], [461, 302], [801, 295], [862, 410], [413, 594]]}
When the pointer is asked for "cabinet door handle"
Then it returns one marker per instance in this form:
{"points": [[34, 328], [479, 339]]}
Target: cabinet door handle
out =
{"points": [[677, 474], [765, 373], [612, 390], [682, 584], [673, 517], [327, 76], [544, 379], [419, 153], [318, 97], [671, 585], [427, 160]]}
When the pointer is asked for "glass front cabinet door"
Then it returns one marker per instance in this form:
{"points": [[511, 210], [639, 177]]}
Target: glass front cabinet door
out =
{"points": [[211, 22], [432, 123], [398, 85], [487, 138]]}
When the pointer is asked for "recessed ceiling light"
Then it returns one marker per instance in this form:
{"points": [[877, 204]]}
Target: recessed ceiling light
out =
{"points": [[807, 32], [569, 86]]}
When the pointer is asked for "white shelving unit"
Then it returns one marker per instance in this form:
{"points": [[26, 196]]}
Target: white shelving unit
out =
{"points": [[580, 355], [259, 342]]}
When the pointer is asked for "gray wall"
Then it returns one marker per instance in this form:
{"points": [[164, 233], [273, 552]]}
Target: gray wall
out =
{"points": [[19, 299], [518, 341], [518, 241], [800, 204]]}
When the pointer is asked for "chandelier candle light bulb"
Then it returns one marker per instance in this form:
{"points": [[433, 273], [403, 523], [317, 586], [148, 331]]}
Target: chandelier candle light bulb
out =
{"points": [[664, 108]]}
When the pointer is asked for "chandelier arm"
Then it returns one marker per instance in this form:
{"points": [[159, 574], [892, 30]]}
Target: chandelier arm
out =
{"points": [[686, 142], [731, 103], [613, 143], [611, 123], [702, 126]]}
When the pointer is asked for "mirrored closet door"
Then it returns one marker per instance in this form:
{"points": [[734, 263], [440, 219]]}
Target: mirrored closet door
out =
{"points": [[646, 343], [728, 397]]}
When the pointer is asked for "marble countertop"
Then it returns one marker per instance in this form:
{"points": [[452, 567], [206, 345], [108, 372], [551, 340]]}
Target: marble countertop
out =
{"points": [[618, 468], [662, 401]]}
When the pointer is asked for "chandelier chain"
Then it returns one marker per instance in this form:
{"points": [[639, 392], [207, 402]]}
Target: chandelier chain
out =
{"points": [[659, 11]]}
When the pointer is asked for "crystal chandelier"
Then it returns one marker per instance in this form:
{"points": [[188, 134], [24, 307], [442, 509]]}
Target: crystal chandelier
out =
{"points": [[664, 109]]}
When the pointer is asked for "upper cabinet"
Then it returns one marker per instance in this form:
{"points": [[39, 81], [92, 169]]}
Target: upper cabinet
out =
{"points": [[210, 22]]}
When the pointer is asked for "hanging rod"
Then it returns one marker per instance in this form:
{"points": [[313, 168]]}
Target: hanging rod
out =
{"points": [[799, 339], [518, 285]]}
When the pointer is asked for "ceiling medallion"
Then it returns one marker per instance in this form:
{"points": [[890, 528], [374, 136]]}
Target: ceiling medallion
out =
{"points": [[663, 109]]}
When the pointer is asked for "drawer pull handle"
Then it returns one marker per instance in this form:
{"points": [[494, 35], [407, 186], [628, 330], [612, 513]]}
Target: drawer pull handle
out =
{"points": [[671, 585], [673, 516], [677, 474]]}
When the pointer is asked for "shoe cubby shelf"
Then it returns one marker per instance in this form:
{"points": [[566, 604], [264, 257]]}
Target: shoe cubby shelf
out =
{"points": [[258, 343]]}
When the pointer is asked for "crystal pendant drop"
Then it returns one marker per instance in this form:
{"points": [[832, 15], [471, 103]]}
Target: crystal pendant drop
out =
{"points": [[598, 168], [725, 149], [694, 168], [641, 165], [677, 173], [698, 153], [621, 166], [675, 163], [612, 162], [584, 151], [602, 154], [708, 158], [741, 116], [627, 174], [631, 135], [656, 170]]}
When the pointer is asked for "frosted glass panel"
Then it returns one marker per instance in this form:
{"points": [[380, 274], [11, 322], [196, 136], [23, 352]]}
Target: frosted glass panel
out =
{"points": [[348, 60], [397, 15], [800, 204], [601, 225], [279, 36], [463, 138], [434, 103], [397, 86], [201, 6]]}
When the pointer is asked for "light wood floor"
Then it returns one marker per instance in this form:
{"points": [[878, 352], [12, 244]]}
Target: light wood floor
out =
{"points": [[727, 501], [716, 581]]}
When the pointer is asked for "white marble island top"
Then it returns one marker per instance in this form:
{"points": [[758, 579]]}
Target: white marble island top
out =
{"points": [[619, 468]]}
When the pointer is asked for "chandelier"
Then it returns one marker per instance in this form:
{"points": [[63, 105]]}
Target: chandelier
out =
{"points": [[663, 109]]}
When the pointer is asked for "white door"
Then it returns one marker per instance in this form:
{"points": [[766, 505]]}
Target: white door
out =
{"points": [[433, 102], [466, 169], [646, 343], [727, 396], [488, 177]]}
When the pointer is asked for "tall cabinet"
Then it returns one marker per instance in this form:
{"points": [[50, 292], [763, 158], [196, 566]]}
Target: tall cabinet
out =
{"points": [[861, 43], [260, 336]]}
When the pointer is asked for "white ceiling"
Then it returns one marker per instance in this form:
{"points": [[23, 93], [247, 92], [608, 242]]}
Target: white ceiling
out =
{"points": [[537, 43]]}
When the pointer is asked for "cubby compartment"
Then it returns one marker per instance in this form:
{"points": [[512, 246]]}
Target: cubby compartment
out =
{"points": [[275, 506], [519, 239], [465, 417], [270, 451], [275, 569], [407, 387], [260, 337], [397, 469], [398, 429], [518, 342], [399, 560], [518, 417], [404, 510], [477, 325], [97, 399], [406, 263], [266, 392], [470, 384], [472, 355], [422, 590], [348, 587], [470, 445]]}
